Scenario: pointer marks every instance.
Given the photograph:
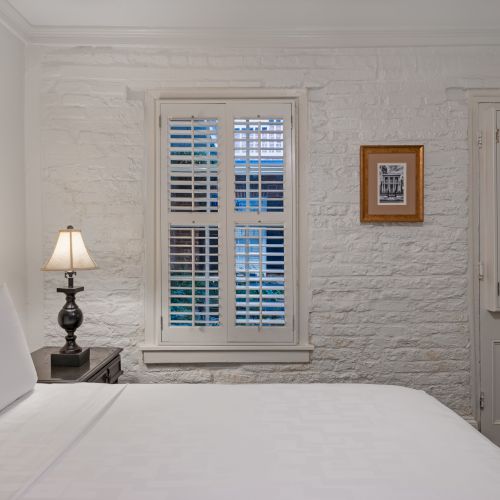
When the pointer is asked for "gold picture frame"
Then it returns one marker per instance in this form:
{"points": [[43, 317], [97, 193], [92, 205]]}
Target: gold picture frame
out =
{"points": [[392, 183]]}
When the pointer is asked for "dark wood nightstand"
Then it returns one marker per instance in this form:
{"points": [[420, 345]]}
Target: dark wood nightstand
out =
{"points": [[104, 367]]}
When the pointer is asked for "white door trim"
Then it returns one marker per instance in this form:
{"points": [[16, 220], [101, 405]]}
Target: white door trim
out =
{"points": [[476, 97]]}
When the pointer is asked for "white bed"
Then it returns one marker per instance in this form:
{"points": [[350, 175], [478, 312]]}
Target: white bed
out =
{"points": [[338, 441], [229, 442]]}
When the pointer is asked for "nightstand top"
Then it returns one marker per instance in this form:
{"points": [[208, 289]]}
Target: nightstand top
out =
{"points": [[99, 358]]}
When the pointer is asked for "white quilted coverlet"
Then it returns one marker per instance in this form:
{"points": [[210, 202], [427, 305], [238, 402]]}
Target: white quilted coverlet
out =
{"points": [[248, 442]]}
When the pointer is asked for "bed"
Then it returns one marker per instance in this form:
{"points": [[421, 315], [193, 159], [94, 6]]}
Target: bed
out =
{"points": [[338, 441], [218, 442]]}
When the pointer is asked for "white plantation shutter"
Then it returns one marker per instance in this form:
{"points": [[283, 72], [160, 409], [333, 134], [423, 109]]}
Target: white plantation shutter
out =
{"points": [[194, 293], [227, 222], [260, 275], [260, 224], [193, 223], [193, 164], [259, 164]]}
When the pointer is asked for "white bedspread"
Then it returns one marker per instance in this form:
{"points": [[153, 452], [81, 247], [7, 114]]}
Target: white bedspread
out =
{"points": [[37, 429], [308, 442]]}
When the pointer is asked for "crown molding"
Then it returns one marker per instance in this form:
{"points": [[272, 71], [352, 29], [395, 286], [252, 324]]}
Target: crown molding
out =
{"points": [[14, 22], [189, 37], [230, 37]]}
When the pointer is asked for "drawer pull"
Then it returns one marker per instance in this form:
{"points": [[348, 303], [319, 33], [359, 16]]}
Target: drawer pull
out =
{"points": [[110, 374]]}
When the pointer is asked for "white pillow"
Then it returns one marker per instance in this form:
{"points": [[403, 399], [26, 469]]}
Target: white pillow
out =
{"points": [[17, 372]]}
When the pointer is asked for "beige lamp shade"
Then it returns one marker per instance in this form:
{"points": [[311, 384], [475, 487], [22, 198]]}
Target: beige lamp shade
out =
{"points": [[70, 253]]}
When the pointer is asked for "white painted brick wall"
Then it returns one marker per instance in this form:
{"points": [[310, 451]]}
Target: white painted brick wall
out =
{"points": [[389, 301]]}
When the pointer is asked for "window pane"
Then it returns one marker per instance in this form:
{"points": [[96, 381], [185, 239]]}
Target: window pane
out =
{"points": [[259, 164], [193, 165], [260, 275], [194, 276]]}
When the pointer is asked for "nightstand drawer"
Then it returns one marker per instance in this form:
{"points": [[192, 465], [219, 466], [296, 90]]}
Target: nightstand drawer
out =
{"points": [[110, 374], [104, 367]]}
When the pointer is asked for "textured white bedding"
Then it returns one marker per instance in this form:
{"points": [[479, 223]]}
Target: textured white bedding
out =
{"points": [[309, 442], [38, 428]]}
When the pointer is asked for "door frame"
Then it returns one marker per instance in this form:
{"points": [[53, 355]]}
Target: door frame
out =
{"points": [[475, 98]]}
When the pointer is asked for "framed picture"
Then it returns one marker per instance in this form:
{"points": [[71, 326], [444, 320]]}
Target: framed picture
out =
{"points": [[392, 183]]}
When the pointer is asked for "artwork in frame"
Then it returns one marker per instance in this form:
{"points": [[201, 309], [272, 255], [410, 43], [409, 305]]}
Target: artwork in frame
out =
{"points": [[392, 183]]}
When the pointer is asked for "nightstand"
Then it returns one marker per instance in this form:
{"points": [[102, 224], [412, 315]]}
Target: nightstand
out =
{"points": [[104, 367]]}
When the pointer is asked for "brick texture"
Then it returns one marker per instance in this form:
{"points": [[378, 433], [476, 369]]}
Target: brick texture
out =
{"points": [[389, 301]]}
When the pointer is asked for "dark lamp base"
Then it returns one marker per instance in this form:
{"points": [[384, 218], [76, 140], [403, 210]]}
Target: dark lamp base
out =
{"points": [[79, 359]]}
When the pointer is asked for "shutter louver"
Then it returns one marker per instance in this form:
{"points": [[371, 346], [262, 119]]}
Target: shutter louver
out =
{"points": [[259, 164], [260, 275], [193, 164], [194, 276]]}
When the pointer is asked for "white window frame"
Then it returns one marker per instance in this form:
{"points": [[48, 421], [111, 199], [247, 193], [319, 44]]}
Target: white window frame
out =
{"points": [[156, 351]]}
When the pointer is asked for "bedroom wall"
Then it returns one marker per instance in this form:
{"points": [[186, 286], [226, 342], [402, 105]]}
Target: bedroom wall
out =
{"points": [[12, 171], [390, 302]]}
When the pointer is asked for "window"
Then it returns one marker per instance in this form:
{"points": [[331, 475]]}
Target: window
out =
{"points": [[227, 224]]}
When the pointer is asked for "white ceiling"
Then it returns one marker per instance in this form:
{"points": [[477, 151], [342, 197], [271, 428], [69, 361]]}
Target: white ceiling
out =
{"points": [[265, 14]]}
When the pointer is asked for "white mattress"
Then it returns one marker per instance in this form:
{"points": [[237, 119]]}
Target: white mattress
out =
{"points": [[308, 442]]}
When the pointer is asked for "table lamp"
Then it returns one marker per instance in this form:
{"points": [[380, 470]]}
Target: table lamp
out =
{"points": [[69, 256]]}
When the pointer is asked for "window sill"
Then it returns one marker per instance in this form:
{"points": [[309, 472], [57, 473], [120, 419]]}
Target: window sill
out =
{"points": [[175, 354]]}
